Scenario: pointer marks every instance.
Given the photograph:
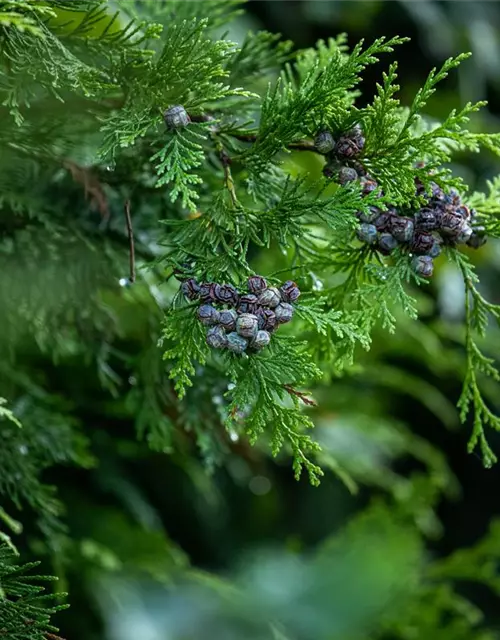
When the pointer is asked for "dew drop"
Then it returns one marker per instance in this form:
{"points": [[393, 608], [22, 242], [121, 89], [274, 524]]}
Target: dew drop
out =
{"points": [[317, 284]]}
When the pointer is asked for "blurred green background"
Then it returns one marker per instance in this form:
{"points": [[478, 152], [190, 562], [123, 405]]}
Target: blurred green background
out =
{"points": [[140, 518]]}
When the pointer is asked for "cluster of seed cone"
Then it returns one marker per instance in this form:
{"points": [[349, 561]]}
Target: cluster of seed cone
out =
{"points": [[442, 220], [242, 321], [345, 148]]}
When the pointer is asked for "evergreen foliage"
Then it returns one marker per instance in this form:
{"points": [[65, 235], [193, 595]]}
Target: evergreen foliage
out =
{"points": [[123, 87], [241, 189], [23, 609]]}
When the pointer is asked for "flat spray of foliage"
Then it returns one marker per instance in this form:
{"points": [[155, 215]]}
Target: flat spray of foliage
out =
{"points": [[83, 95], [122, 73], [261, 204]]}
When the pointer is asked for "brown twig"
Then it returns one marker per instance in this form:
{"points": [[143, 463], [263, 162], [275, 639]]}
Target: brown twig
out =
{"points": [[200, 117], [244, 137], [300, 394], [301, 145], [130, 240], [233, 413]]}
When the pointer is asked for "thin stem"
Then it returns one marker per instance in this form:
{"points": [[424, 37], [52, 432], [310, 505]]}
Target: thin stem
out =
{"points": [[228, 177], [301, 145], [131, 241], [300, 395]]}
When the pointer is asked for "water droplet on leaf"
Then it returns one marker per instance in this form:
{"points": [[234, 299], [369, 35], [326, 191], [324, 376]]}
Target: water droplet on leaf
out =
{"points": [[317, 284]]}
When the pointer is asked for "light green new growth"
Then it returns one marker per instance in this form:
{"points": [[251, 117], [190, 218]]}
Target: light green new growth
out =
{"points": [[6, 414], [182, 153]]}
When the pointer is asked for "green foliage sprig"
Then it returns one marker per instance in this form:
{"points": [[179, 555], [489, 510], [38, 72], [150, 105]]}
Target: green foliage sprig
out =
{"points": [[236, 164], [478, 312], [314, 224], [23, 606]]}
